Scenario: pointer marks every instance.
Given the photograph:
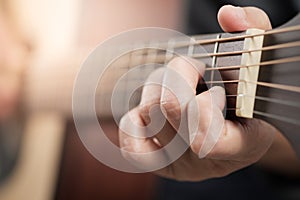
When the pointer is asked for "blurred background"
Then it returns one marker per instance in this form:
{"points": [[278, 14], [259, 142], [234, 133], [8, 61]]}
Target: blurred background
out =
{"points": [[42, 44]]}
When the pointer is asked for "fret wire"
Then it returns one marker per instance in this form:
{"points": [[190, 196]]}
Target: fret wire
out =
{"points": [[170, 51], [145, 61], [151, 56], [191, 48], [213, 65]]}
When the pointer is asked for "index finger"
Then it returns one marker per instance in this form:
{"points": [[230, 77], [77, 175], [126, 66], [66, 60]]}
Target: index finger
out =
{"points": [[179, 87]]}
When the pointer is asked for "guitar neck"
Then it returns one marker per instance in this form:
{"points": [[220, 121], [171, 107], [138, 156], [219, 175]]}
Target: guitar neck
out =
{"points": [[48, 87]]}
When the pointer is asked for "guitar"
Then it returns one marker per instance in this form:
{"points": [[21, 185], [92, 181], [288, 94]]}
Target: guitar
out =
{"points": [[277, 93], [258, 69]]}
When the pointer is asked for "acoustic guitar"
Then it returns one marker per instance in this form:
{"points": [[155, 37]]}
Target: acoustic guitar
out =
{"points": [[259, 70], [266, 62]]}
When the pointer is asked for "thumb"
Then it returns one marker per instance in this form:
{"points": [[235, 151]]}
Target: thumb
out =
{"points": [[233, 19]]}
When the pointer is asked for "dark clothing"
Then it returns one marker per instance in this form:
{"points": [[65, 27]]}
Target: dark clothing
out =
{"points": [[250, 183]]}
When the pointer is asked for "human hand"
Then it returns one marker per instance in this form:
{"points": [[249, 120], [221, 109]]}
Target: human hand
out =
{"points": [[217, 146]]}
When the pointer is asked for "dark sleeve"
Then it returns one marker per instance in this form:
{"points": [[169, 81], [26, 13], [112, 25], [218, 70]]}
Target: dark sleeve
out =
{"points": [[202, 14]]}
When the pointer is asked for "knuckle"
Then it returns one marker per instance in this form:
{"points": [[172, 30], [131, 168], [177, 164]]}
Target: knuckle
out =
{"points": [[147, 104], [170, 104], [145, 108], [171, 107]]}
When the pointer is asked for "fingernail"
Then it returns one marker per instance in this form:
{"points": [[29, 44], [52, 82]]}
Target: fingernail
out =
{"points": [[241, 14]]}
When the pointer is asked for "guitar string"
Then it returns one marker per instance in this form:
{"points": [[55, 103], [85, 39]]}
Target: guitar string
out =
{"points": [[268, 99], [280, 30], [271, 115], [228, 53], [264, 63], [273, 100], [240, 37], [265, 84], [260, 83], [180, 44], [263, 98], [291, 88], [284, 87], [294, 44], [277, 117], [266, 48]]}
